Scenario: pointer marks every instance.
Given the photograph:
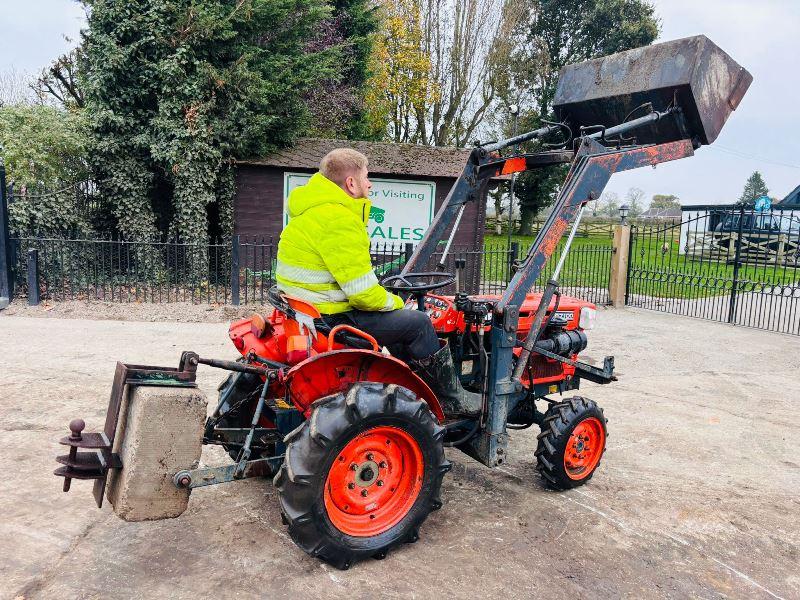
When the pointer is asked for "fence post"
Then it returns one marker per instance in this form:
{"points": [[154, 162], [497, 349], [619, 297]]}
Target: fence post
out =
{"points": [[407, 252], [235, 270], [736, 259], [617, 281], [513, 256], [6, 278], [33, 277]]}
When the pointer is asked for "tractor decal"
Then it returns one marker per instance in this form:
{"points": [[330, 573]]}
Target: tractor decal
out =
{"points": [[377, 214]]}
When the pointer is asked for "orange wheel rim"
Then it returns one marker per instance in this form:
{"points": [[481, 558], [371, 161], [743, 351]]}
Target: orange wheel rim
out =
{"points": [[584, 448], [374, 481]]}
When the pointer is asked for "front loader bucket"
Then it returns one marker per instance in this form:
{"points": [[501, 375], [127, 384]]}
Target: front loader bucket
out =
{"points": [[707, 84]]}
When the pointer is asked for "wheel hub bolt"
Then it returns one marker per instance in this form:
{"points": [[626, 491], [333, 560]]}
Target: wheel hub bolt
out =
{"points": [[351, 485], [364, 492], [379, 483], [353, 467], [382, 464], [369, 456]]}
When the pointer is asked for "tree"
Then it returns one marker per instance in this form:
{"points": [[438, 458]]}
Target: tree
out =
{"points": [[610, 205], [43, 148], [177, 89], [635, 201], [665, 201], [14, 88], [59, 83], [754, 188], [575, 30], [499, 196], [568, 31], [446, 65], [595, 206], [42, 145], [336, 105], [401, 73]]}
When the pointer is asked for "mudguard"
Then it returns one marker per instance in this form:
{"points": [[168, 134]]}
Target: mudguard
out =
{"points": [[336, 371]]}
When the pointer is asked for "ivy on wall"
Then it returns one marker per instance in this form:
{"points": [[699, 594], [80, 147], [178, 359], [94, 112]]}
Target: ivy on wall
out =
{"points": [[178, 89]]}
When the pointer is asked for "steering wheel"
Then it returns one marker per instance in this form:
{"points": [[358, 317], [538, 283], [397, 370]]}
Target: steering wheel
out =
{"points": [[406, 283]]}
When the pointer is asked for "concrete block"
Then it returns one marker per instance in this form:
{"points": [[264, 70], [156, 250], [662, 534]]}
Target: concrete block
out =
{"points": [[160, 433]]}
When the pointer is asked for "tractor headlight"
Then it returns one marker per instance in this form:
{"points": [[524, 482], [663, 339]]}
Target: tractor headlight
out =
{"points": [[588, 315]]}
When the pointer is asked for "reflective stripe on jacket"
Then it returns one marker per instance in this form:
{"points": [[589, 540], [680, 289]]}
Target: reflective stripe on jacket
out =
{"points": [[323, 252]]}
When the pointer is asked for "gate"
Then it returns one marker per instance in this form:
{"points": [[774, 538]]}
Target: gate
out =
{"points": [[734, 265]]}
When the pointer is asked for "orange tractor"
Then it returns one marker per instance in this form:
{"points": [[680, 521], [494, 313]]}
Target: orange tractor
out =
{"points": [[353, 438]]}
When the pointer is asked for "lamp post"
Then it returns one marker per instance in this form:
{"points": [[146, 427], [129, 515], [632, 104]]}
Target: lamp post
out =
{"points": [[514, 110], [623, 213]]}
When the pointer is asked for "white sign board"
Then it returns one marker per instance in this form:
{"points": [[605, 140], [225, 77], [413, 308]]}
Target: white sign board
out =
{"points": [[401, 210]]}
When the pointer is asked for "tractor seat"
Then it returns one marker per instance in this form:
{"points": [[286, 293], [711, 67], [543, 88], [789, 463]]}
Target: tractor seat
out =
{"points": [[303, 312]]}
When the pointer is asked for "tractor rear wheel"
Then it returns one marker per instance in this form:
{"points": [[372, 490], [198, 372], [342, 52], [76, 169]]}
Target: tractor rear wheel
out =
{"points": [[572, 442], [362, 473]]}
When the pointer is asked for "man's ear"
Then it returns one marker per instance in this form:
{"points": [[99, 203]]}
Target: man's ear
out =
{"points": [[350, 185]]}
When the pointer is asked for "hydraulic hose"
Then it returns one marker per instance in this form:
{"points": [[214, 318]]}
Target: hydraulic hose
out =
{"points": [[465, 438]]}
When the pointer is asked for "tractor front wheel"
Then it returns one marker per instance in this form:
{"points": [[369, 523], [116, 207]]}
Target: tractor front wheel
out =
{"points": [[362, 473], [572, 442]]}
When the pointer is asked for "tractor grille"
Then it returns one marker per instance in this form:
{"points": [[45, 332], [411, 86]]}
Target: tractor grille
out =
{"points": [[544, 369]]}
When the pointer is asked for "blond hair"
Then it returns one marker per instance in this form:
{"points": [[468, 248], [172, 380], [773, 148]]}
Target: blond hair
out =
{"points": [[340, 163]]}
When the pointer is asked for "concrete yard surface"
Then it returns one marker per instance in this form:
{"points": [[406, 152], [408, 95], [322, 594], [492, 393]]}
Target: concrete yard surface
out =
{"points": [[697, 496]]}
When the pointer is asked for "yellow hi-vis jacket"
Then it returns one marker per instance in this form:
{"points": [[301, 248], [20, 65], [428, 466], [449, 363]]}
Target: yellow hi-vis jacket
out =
{"points": [[323, 253]]}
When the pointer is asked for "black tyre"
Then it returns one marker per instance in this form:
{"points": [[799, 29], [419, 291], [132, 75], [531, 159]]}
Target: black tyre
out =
{"points": [[572, 442], [238, 394], [362, 473]]}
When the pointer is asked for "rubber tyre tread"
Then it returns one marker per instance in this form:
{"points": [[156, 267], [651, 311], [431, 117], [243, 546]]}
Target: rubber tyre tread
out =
{"points": [[338, 419], [559, 422]]}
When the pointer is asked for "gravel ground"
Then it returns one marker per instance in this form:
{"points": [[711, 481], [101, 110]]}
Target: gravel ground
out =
{"points": [[170, 312], [698, 495]]}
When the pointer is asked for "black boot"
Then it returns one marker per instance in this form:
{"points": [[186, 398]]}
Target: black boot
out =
{"points": [[439, 372]]}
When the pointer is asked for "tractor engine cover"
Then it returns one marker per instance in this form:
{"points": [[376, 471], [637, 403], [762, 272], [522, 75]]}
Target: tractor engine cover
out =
{"points": [[707, 83]]}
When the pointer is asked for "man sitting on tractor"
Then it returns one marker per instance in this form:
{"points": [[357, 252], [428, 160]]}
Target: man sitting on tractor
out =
{"points": [[324, 258]]}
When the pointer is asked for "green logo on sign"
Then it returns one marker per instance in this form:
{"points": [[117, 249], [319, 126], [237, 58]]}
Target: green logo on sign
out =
{"points": [[376, 214]]}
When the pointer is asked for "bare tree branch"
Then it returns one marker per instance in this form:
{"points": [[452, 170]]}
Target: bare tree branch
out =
{"points": [[60, 83]]}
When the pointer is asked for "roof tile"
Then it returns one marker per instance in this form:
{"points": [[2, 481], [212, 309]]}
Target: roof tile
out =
{"points": [[384, 157]]}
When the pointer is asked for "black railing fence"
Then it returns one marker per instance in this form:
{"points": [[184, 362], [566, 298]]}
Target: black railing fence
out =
{"points": [[585, 275], [241, 269], [121, 270], [734, 265]]}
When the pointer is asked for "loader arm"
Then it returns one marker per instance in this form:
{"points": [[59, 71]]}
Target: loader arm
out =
{"points": [[483, 163], [590, 172]]}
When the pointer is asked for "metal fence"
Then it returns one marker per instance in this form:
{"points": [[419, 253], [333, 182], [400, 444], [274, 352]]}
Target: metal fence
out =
{"points": [[734, 265], [242, 269], [119, 270]]}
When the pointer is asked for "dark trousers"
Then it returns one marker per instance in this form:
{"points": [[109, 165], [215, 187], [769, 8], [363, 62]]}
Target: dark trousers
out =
{"points": [[408, 334]]}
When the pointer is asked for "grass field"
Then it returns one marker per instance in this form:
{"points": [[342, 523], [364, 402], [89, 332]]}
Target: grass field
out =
{"points": [[657, 268], [587, 268]]}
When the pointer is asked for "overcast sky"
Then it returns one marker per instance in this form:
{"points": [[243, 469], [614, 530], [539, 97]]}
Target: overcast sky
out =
{"points": [[763, 134]]}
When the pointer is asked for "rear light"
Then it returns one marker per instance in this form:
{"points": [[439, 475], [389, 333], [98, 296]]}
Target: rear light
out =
{"points": [[297, 349], [588, 315], [239, 343], [258, 325]]}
